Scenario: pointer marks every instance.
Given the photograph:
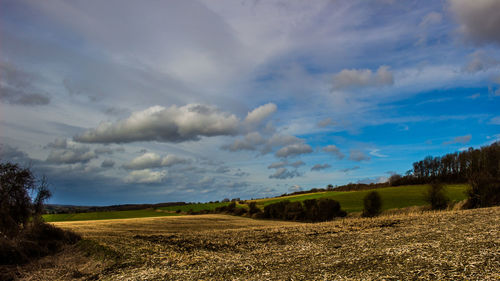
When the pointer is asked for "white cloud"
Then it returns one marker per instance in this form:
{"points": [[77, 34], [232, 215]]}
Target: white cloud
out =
{"points": [[479, 20], [146, 176], [294, 150], [375, 152], [172, 124], [259, 114], [334, 150], [319, 167], [349, 78], [153, 160]]}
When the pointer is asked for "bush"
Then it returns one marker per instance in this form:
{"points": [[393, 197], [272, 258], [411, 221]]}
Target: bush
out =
{"points": [[329, 209], [276, 210], [23, 234], [252, 208], [310, 210], [16, 205], [436, 196], [372, 204], [484, 191]]}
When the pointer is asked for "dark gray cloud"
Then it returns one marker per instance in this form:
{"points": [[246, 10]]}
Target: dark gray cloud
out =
{"points": [[68, 152], [283, 164], [358, 155], [319, 167], [350, 169], [479, 20], [17, 87], [334, 150], [283, 173], [108, 163]]}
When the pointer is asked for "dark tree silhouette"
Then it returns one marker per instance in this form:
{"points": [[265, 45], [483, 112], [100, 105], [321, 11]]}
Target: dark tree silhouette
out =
{"points": [[372, 204]]}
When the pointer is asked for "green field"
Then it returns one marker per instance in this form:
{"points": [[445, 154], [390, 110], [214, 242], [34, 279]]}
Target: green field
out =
{"points": [[106, 215], [392, 197], [195, 207], [351, 201]]}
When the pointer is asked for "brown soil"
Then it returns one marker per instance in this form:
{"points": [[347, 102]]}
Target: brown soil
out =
{"points": [[452, 245]]}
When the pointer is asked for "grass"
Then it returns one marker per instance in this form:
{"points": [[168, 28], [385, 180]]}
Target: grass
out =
{"points": [[196, 207], [351, 201], [106, 215], [392, 197]]}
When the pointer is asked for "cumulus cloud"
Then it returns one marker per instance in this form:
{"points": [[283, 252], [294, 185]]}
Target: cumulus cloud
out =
{"points": [[319, 167], [69, 152], [153, 160], [17, 87], [146, 176], [479, 20], [172, 124], [334, 150], [358, 155], [283, 173], [293, 150], [349, 78], [259, 114], [251, 141], [282, 164], [265, 144], [460, 139]]}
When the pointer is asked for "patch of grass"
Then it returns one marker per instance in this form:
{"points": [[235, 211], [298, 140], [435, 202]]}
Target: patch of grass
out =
{"points": [[93, 249], [106, 215], [392, 197]]}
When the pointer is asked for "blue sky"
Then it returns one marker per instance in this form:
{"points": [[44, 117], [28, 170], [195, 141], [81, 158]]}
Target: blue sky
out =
{"points": [[155, 101]]}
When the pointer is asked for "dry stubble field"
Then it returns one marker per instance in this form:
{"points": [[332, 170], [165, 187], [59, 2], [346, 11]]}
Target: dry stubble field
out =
{"points": [[452, 245]]}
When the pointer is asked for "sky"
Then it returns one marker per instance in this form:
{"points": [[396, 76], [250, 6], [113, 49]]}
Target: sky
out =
{"points": [[123, 101]]}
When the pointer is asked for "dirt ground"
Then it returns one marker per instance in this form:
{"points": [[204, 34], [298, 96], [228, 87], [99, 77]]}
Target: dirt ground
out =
{"points": [[448, 245]]}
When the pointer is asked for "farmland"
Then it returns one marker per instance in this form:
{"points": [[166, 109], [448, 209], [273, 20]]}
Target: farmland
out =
{"points": [[351, 201], [392, 197], [449, 245], [106, 215]]}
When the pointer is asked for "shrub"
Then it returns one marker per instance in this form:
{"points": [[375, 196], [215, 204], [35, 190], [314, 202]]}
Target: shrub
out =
{"points": [[293, 211], [276, 210], [484, 191], [329, 209], [16, 205], [252, 208], [372, 204], [436, 197]]}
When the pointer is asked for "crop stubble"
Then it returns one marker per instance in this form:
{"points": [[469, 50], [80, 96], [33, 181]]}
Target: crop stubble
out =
{"points": [[434, 245]]}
